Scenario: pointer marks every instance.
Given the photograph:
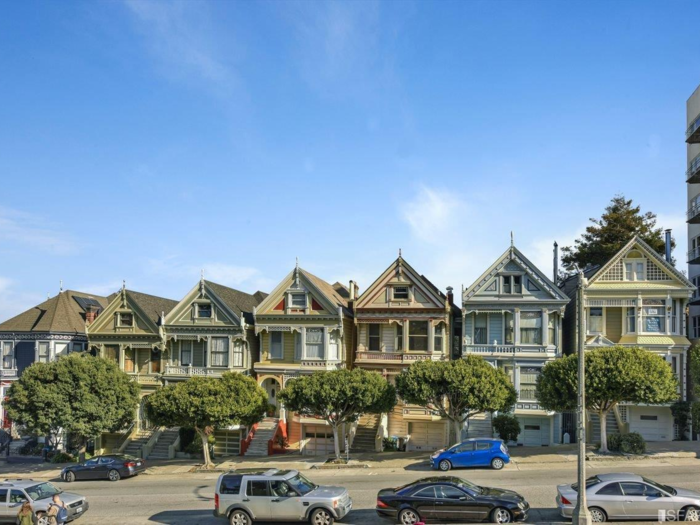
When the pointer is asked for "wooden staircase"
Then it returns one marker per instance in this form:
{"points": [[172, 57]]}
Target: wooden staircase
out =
{"points": [[612, 427], [162, 447], [366, 433], [266, 430]]}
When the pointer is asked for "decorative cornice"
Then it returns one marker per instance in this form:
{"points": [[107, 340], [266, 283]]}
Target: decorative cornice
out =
{"points": [[30, 336]]}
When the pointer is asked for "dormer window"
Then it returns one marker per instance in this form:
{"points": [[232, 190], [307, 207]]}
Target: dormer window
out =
{"points": [[298, 300], [126, 319], [400, 293], [203, 311], [634, 271]]}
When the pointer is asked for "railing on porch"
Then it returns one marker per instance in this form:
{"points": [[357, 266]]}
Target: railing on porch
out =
{"points": [[8, 372], [510, 350], [398, 357], [325, 364], [191, 371]]}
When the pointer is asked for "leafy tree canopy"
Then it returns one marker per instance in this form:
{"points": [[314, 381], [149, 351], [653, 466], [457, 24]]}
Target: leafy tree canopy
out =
{"points": [[339, 396], [613, 375], [457, 390], [78, 393], [606, 236], [207, 403], [694, 359]]}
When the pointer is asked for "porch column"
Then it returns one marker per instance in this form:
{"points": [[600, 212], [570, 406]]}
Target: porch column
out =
{"points": [[404, 336], [325, 343], [231, 342], [545, 328], [207, 359], [122, 349], [303, 342], [516, 326], [431, 336]]}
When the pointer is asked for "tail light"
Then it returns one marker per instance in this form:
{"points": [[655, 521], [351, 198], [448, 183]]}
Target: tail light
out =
{"points": [[216, 501], [129, 464], [381, 504], [565, 501]]}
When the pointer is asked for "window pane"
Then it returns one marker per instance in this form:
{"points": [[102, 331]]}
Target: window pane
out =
{"points": [[204, 310], [480, 329], [126, 319], [510, 327], [506, 284], [276, 345], [418, 336], [219, 351], [314, 343], [375, 337], [595, 319], [299, 300], [631, 321], [531, 328], [129, 360], [517, 284], [399, 337], [185, 353], [439, 332], [400, 292]]}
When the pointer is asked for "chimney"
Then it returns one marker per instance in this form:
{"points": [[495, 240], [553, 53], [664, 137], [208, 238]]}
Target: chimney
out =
{"points": [[352, 290], [668, 245], [357, 290], [556, 262], [450, 296], [90, 313]]}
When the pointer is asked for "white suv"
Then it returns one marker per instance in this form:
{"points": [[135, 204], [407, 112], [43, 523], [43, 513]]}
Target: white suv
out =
{"points": [[278, 495]]}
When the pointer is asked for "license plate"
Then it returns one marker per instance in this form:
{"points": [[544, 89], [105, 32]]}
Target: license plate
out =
{"points": [[138, 464], [79, 510]]}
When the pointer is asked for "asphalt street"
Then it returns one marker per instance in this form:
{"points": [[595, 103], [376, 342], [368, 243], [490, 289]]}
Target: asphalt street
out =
{"points": [[189, 498]]}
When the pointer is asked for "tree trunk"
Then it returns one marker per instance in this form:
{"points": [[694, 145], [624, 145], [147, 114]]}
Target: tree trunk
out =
{"points": [[205, 448], [457, 431], [336, 444], [603, 416]]}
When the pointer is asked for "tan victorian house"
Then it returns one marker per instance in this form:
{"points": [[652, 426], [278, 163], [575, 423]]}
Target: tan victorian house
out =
{"points": [[401, 318], [305, 326]]}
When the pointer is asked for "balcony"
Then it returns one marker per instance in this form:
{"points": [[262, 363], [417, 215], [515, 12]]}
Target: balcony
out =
{"points": [[396, 357], [692, 134], [8, 373], [692, 176], [412, 413], [694, 256], [694, 214], [510, 350], [321, 364], [195, 371]]}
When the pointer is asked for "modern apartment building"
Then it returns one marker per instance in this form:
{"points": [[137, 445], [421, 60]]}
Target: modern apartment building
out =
{"points": [[692, 175]]}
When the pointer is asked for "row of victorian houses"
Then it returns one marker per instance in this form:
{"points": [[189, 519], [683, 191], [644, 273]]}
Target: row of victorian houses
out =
{"points": [[514, 316]]}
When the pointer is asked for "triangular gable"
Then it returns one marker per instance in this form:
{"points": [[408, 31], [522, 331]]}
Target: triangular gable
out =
{"points": [[123, 302], [613, 269], [514, 260], [400, 272], [181, 314], [297, 280]]}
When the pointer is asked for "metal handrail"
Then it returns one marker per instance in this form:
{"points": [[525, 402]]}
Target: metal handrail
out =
{"points": [[693, 167], [693, 211], [693, 127], [127, 434], [693, 254]]}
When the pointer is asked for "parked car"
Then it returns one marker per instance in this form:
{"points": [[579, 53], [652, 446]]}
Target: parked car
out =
{"points": [[624, 496], [112, 467], [278, 495], [14, 492], [447, 498], [476, 452]]}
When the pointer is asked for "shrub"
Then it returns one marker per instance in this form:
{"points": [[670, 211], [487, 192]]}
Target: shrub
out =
{"points": [[507, 427], [695, 414], [390, 443], [194, 447], [632, 443], [62, 457], [681, 417]]}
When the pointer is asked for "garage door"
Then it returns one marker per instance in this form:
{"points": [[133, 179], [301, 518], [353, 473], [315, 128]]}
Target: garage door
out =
{"points": [[535, 431], [426, 436], [652, 426], [228, 443], [319, 440]]}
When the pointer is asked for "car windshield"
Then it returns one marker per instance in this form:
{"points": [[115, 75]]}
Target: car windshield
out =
{"points": [[590, 482], [302, 485], [42, 490], [468, 485], [659, 486]]}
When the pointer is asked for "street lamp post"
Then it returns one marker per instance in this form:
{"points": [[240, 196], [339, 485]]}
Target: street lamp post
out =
{"points": [[581, 515]]}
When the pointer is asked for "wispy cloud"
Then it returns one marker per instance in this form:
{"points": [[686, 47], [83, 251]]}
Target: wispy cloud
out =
{"points": [[12, 301], [431, 213], [104, 289], [26, 229]]}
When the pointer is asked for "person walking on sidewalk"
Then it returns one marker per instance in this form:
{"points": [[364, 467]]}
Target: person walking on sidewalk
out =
{"points": [[57, 513], [26, 516]]}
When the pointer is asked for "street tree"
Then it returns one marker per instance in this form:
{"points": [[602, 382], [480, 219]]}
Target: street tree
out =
{"points": [[457, 390], [208, 403], [694, 361], [339, 397], [606, 236], [80, 394], [613, 375]]}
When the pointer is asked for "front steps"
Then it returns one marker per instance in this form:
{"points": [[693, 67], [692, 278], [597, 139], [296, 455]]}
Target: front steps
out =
{"points": [[612, 427], [266, 430], [366, 433], [134, 448], [162, 447]]}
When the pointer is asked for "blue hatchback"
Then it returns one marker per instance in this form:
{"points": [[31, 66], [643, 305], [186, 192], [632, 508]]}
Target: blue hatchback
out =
{"points": [[477, 452]]}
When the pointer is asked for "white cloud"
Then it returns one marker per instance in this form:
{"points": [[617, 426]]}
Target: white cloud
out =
{"points": [[13, 302], [26, 229], [432, 213]]}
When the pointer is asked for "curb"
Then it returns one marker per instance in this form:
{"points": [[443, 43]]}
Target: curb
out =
{"points": [[338, 467]]}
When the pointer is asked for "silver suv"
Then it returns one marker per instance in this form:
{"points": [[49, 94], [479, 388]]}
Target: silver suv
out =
{"points": [[14, 492], [278, 495]]}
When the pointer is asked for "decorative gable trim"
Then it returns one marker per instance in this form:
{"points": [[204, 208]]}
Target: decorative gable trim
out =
{"points": [[201, 291], [295, 281], [120, 303]]}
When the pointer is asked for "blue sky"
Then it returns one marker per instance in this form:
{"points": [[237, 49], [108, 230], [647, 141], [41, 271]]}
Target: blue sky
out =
{"points": [[146, 140]]}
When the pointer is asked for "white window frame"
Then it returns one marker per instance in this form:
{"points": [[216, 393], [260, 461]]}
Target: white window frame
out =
{"points": [[370, 337], [505, 327], [439, 335], [273, 345], [634, 263], [662, 315], [238, 357], [190, 350], [292, 295], [408, 293], [199, 305], [553, 325], [589, 324], [426, 336], [334, 345], [48, 351], [322, 345], [5, 355], [634, 317], [224, 354], [520, 327]]}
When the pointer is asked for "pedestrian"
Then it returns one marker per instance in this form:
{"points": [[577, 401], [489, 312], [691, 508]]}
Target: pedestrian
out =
{"points": [[25, 516], [57, 513]]}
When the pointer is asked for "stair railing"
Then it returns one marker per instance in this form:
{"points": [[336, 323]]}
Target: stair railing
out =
{"points": [[146, 449], [128, 435], [173, 447]]}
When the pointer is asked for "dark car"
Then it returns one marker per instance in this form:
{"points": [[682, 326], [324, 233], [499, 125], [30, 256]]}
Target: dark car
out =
{"points": [[112, 467], [450, 499]]}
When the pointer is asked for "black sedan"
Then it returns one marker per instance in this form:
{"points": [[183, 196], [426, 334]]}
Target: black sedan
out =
{"points": [[449, 498], [113, 468]]}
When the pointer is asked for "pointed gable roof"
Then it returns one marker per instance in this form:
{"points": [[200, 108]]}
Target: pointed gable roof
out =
{"points": [[61, 313], [241, 303], [639, 243], [513, 255], [152, 305], [401, 268]]}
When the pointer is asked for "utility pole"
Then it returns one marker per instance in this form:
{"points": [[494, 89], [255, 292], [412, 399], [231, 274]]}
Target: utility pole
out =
{"points": [[581, 516]]}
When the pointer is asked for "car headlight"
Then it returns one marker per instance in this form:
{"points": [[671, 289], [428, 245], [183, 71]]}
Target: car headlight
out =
{"points": [[521, 504]]}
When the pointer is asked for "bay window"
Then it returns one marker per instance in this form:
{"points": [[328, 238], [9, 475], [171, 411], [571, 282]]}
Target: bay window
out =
{"points": [[275, 345], [399, 338], [8, 358], [375, 337], [631, 320], [552, 329], [334, 345], [439, 337], [238, 354], [111, 352], [595, 321], [418, 336], [481, 329], [509, 328], [185, 353], [155, 361], [44, 352], [528, 383], [314, 343], [297, 346], [219, 351], [129, 366], [142, 361], [653, 316], [531, 328]]}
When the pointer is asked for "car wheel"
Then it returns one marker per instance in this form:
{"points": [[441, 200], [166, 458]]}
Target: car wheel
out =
{"points": [[408, 517], [114, 475], [497, 463], [321, 517], [239, 517], [501, 515], [597, 515], [690, 514], [70, 477], [42, 518], [445, 465]]}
